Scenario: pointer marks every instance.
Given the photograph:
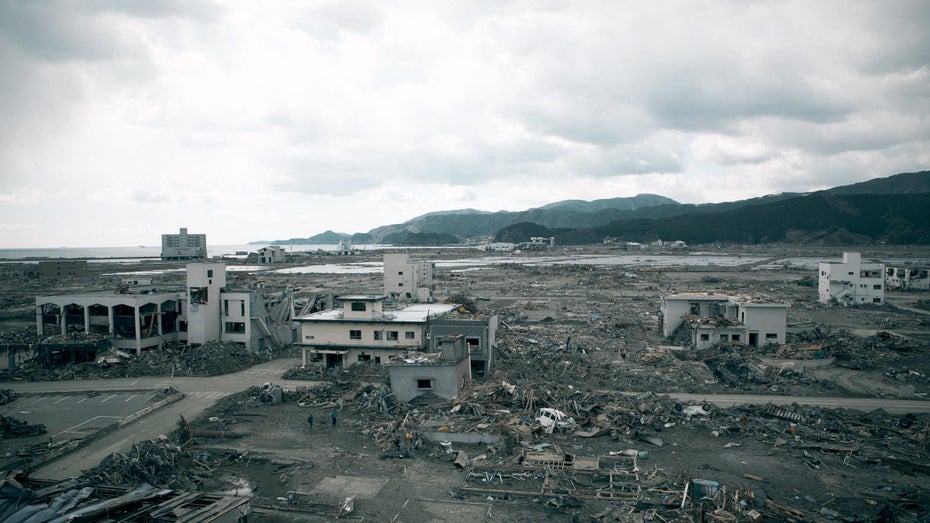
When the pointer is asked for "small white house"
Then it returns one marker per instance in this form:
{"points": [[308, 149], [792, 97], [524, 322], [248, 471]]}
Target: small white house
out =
{"points": [[271, 254], [852, 282]]}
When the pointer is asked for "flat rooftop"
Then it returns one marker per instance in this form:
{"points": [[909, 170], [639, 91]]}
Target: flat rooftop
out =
{"points": [[412, 314]]}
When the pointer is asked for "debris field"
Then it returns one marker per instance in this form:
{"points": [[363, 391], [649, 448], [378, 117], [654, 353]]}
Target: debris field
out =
{"points": [[575, 423]]}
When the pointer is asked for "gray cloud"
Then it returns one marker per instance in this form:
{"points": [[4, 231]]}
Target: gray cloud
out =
{"points": [[340, 102]]}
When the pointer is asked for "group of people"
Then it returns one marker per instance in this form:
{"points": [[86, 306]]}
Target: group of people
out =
{"points": [[333, 415]]}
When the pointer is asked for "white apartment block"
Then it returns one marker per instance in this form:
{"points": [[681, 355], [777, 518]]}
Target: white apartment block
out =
{"points": [[715, 318], [408, 280], [183, 246], [852, 282]]}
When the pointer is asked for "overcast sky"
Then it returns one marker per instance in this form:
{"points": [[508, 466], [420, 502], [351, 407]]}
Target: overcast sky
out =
{"points": [[123, 120]]}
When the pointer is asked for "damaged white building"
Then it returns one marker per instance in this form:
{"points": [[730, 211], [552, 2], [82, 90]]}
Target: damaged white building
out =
{"points": [[711, 318], [907, 278], [852, 282], [147, 317], [363, 330]]}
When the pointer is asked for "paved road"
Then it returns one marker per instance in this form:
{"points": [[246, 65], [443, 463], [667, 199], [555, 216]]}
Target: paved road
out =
{"points": [[200, 394], [203, 392]]}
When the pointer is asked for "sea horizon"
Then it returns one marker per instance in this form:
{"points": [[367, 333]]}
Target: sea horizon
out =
{"points": [[154, 251]]}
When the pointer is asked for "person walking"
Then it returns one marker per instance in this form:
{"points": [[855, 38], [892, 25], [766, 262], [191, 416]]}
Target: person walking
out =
{"points": [[333, 416], [310, 421]]}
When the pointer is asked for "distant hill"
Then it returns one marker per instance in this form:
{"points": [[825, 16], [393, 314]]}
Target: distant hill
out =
{"points": [[568, 213], [820, 218], [324, 238], [904, 183], [891, 209]]}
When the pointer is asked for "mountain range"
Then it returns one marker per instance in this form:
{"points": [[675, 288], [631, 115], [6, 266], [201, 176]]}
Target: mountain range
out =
{"points": [[894, 209]]}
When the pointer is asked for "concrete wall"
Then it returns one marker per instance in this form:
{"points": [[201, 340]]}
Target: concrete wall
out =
{"points": [[338, 333], [446, 379], [765, 319], [715, 335], [204, 319]]}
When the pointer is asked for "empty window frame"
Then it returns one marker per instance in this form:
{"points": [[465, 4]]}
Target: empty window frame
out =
{"points": [[424, 384], [379, 335], [392, 335], [358, 306], [355, 334], [198, 294], [237, 327], [410, 335]]}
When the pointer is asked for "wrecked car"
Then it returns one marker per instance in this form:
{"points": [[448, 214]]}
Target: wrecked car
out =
{"points": [[549, 419]]}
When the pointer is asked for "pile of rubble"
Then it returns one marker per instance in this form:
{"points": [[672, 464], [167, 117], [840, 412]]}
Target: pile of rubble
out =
{"points": [[13, 428], [21, 336], [519, 431], [213, 358], [6, 396]]}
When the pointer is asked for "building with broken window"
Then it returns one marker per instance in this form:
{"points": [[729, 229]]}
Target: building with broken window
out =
{"points": [[706, 319], [183, 246], [271, 254], [851, 282], [362, 330], [479, 336], [145, 317], [442, 373], [407, 280], [907, 278]]}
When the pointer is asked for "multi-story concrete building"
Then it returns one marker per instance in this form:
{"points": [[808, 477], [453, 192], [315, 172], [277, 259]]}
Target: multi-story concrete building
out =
{"points": [[55, 270], [714, 318], [363, 331], [907, 278], [852, 282], [146, 317], [407, 280], [183, 246]]}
